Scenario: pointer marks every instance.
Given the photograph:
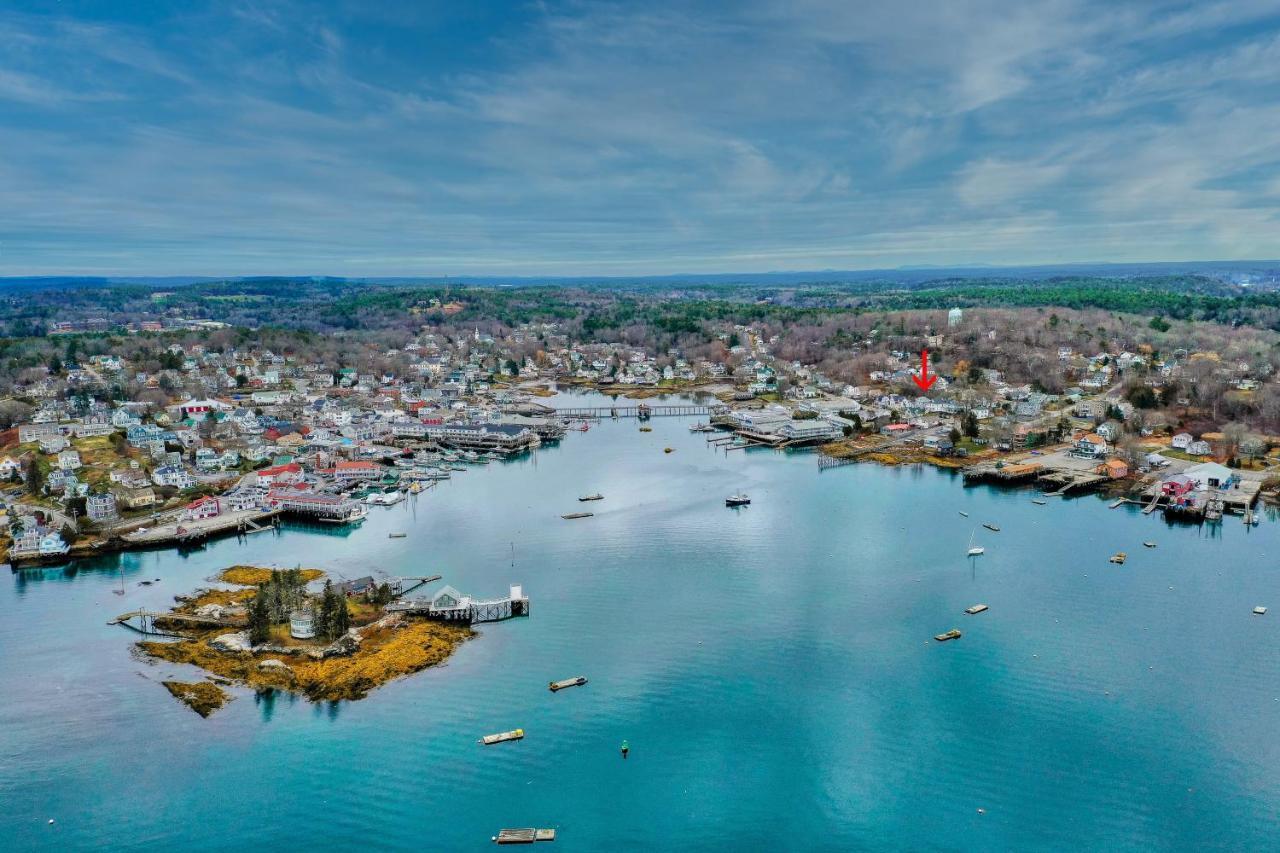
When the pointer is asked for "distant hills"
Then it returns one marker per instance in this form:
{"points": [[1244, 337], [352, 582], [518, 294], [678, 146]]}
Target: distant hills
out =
{"points": [[1260, 271]]}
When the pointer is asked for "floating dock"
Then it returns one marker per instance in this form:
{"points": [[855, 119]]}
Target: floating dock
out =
{"points": [[502, 737], [524, 836], [577, 681]]}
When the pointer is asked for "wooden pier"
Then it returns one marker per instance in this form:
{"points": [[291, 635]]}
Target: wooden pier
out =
{"points": [[1068, 480], [144, 622]]}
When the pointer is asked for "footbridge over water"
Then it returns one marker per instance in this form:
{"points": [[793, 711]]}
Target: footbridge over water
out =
{"points": [[639, 411]]}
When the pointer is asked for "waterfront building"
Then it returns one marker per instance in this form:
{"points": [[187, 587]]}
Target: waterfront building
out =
{"points": [[202, 508]]}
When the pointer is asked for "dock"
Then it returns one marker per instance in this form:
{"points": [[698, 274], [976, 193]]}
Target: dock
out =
{"points": [[1068, 480], [524, 836], [502, 737]]}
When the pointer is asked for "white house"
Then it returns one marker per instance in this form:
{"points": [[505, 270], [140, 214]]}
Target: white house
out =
{"points": [[101, 507], [69, 460], [1181, 441], [172, 475]]}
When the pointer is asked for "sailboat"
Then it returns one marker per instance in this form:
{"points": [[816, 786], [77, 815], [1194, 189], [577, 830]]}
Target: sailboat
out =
{"points": [[975, 550]]}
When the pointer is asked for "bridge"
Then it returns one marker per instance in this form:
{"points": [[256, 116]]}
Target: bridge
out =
{"points": [[639, 411]]}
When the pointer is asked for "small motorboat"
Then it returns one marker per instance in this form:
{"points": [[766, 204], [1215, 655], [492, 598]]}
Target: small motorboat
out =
{"points": [[965, 514], [646, 429], [1038, 501], [668, 449], [994, 528], [1119, 557], [396, 535], [975, 609], [1148, 544], [573, 515], [596, 497], [577, 681], [1259, 611], [739, 499]]}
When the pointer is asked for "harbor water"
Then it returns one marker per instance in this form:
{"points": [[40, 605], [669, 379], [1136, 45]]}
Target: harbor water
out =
{"points": [[771, 667]]}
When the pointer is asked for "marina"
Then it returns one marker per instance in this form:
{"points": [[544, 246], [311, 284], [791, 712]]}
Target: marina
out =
{"points": [[674, 689]]}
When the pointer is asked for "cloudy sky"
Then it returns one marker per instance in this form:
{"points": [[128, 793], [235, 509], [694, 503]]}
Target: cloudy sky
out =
{"points": [[541, 138]]}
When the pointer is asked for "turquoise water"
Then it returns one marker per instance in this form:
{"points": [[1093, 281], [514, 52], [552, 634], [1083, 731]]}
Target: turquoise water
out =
{"points": [[771, 667]]}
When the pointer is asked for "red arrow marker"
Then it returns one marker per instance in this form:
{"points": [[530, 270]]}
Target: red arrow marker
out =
{"points": [[924, 381]]}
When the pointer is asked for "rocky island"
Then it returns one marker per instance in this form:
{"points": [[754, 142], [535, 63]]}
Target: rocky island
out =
{"points": [[273, 630]]}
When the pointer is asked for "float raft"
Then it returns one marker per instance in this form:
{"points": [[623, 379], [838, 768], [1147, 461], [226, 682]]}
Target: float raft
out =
{"points": [[502, 737], [524, 836]]}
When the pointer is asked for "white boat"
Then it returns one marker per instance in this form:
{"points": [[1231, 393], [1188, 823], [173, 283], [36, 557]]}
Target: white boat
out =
{"points": [[975, 550], [384, 498], [739, 499]]}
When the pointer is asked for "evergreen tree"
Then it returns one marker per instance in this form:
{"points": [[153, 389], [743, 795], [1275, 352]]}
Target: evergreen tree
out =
{"points": [[341, 616], [259, 618]]}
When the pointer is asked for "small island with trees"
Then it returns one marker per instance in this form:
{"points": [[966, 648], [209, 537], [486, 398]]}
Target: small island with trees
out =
{"points": [[273, 630]]}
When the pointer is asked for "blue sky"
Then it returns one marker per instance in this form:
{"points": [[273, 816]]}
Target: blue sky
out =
{"points": [[582, 138]]}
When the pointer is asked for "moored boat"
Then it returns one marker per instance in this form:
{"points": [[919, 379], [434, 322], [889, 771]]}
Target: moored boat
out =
{"points": [[977, 608], [739, 499], [953, 634], [572, 515], [596, 497], [992, 527], [576, 681]]}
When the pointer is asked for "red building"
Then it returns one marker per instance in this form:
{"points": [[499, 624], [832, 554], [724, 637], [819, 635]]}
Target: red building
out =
{"points": [[206, 507]]}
